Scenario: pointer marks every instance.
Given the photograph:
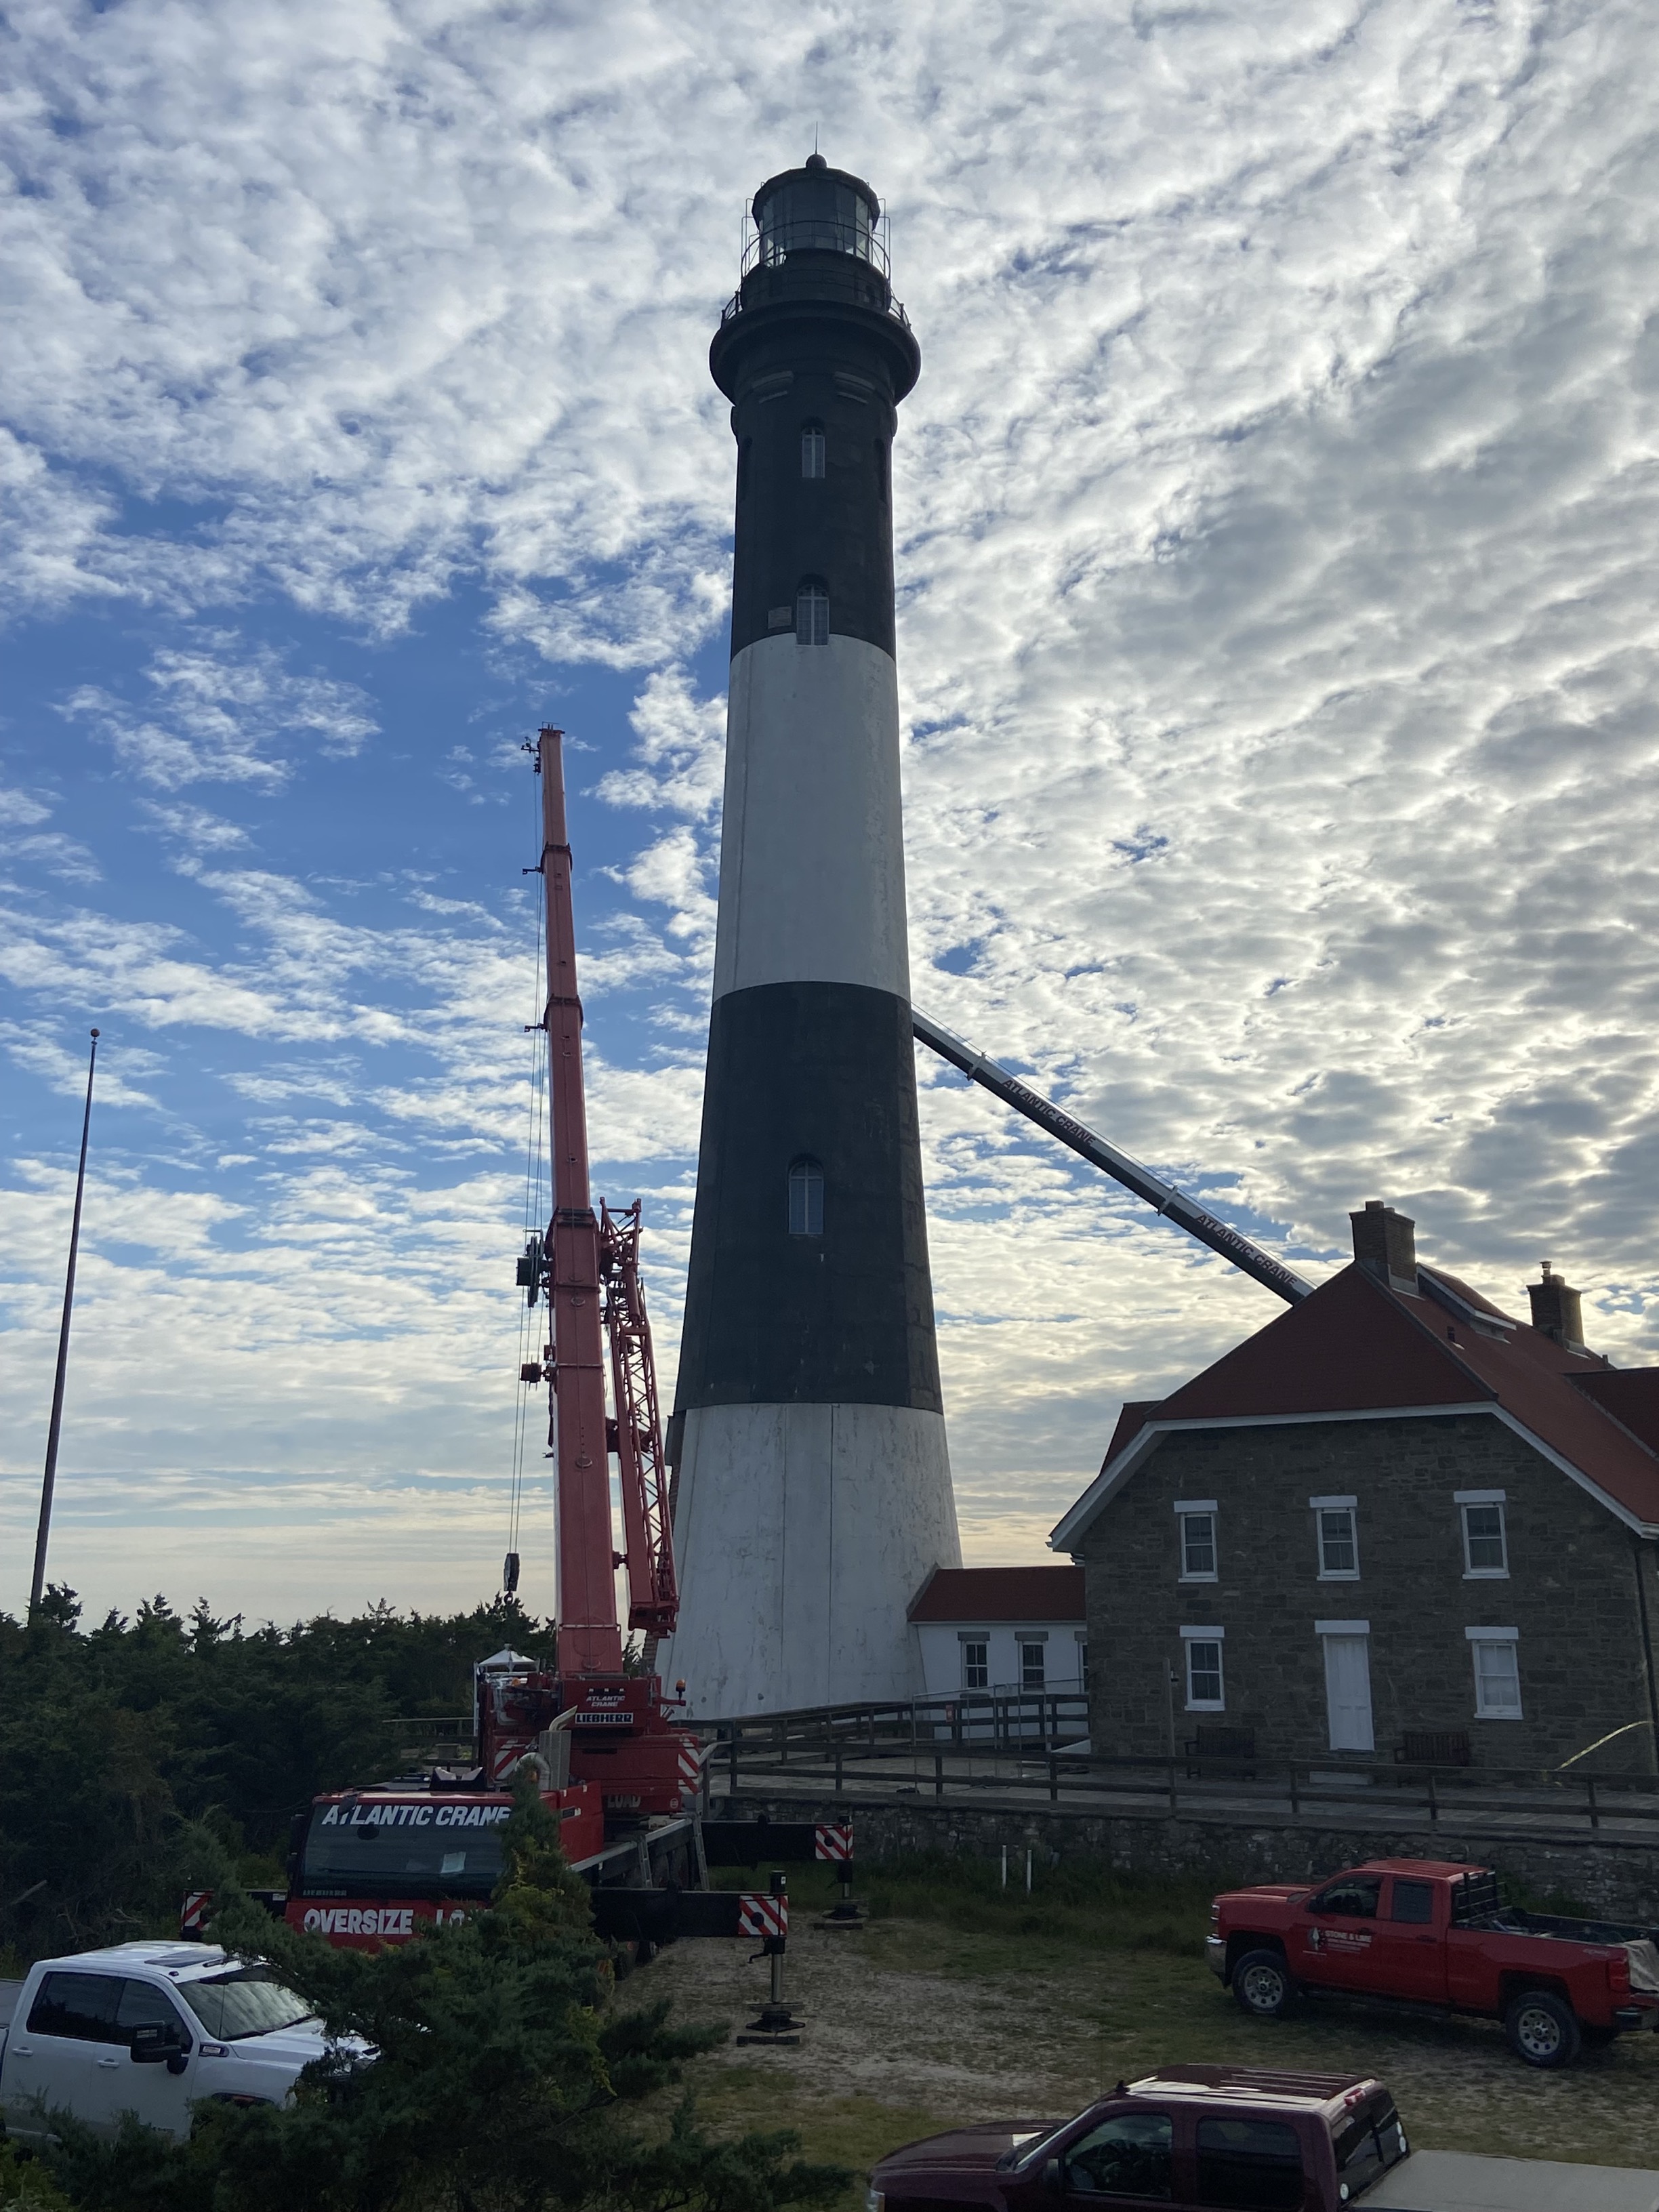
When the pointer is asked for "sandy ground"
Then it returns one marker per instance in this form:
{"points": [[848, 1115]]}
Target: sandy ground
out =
{"points": [[911, 2027]]}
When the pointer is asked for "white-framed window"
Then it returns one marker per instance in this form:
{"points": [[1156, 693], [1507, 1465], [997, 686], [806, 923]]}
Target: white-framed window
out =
{"points": [[1206, 1692], [1337, 1532], [1195, 1525], [975, 1662], [1486, 1540], [806, 1198], [812, 449], [812, 615], [1033, 1665], [1496, 1653]]}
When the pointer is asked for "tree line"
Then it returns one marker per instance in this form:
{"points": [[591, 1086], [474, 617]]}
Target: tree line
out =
{"points": [[162, 1752]]}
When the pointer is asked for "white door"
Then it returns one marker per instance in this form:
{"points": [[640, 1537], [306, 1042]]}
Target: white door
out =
{"points": [[1348, 1692], [154, 2095], [62, 2053]]}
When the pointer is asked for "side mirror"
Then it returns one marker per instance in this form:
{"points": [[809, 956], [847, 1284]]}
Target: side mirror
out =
{"points": [[1051, 2176], [154, 2045]]}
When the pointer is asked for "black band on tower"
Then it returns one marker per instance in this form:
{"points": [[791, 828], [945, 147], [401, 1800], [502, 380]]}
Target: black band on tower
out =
{"points": [[815, 1076], [796, 529]]}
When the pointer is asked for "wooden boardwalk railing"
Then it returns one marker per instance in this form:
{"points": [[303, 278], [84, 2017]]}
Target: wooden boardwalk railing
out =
{"points": [[986, 1752]]}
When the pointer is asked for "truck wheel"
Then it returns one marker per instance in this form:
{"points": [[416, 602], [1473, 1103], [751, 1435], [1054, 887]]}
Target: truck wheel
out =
{"points": [[1261, 1985], [1542, 2029]]}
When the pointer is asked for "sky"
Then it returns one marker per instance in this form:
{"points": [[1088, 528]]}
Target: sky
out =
{"points": [[1276, 520]]}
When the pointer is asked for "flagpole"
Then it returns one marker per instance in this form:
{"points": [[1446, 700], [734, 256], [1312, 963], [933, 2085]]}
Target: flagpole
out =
{"points": [[50, 1478]]}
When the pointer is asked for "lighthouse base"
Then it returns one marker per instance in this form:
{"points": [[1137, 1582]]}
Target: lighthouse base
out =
{"points": [[802, 1533]]}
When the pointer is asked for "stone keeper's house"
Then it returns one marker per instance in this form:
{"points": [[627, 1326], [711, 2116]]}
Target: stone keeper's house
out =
{"points": [[1395, 1522]]}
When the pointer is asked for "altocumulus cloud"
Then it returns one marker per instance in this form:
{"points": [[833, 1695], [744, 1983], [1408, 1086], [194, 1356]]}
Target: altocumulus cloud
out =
{"points": [[1277, 636]]}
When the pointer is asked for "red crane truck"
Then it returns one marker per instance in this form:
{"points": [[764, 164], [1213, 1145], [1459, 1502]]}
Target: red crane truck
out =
{"points": [[615, 1761], [1432, 1932]]}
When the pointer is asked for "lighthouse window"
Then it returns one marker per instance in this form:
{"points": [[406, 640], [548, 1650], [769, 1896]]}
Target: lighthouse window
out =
{"points": [[805, 1199], [812, 615], [812, 449], [743, 452]]}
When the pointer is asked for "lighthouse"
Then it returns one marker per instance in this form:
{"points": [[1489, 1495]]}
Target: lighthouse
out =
{"points": [[813, 1483]]}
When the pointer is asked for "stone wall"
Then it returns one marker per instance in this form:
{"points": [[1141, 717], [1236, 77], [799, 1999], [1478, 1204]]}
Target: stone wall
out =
{"points": [[1570, 1591], [1618, 1880]]}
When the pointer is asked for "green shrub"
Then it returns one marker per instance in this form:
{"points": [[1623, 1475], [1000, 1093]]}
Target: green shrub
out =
{"points": [[146, 1757]]}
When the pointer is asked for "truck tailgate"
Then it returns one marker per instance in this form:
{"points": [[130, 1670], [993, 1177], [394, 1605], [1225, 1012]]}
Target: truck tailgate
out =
{"points": [[1457, 2181]]}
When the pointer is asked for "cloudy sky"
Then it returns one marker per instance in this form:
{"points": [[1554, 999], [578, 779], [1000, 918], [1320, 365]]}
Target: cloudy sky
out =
{"points": [[1278, 645]]}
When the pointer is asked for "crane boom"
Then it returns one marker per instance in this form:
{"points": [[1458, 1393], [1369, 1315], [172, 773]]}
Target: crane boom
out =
{"points": [[1250, 1258], [590, 1640], [621, 1732]]}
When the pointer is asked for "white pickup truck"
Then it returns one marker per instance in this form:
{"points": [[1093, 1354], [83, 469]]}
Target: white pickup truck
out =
{"points": [[148, 2028]]}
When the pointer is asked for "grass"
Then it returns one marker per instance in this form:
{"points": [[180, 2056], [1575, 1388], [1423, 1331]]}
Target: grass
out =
{"points": [[1081, 1905], [848, 2130], [1077, 1905]]}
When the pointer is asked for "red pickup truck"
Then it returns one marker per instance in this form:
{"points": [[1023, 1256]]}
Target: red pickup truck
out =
{"points": [[1187, 2138], [1434, 1933]]}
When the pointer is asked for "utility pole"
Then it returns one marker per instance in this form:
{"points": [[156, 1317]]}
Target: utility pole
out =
{"points": [[50, 1476]]}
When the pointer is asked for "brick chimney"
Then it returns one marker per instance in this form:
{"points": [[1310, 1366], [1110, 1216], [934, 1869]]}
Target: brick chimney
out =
{"points": [[1557, 1309], [1385, 1245]]}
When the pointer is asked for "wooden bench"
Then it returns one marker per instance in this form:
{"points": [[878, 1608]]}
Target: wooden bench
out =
{"points": [[1434, 1747], [1221, 1750]]}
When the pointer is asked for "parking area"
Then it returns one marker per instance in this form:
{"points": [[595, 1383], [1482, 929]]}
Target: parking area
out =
{"points": [[912, 2026]]}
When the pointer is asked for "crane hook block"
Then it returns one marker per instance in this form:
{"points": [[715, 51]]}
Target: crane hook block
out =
{"points": [[530, 1270]]}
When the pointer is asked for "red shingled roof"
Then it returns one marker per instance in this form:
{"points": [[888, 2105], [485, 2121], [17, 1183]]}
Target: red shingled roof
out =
{"points": [[1356, 1347], [988, 1594], [1137, 1411], [1352, 1344], [1631, 1395]]}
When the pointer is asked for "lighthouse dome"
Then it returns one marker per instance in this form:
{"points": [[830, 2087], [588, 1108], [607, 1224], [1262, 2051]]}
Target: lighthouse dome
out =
{"points": [[817, 209]]}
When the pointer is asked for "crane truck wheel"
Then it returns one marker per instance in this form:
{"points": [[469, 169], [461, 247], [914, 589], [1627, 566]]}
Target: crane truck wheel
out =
{"points": [[1542, 2029], [1263, 1985]]}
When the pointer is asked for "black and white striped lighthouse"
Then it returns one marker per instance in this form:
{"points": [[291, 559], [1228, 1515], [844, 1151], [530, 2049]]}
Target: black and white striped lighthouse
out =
{"points": [[814, 1483]]}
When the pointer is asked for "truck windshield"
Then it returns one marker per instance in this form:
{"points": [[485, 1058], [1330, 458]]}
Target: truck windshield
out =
{"points": [[245, 2001], [415, 1849], [1026, 2150], [1368, 2142]]}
